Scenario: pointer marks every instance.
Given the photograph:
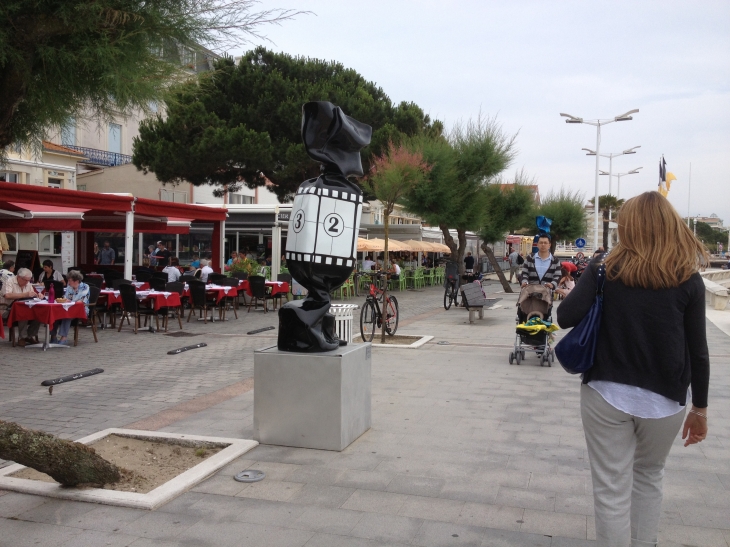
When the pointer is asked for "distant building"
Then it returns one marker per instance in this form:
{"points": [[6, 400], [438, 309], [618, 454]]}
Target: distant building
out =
{"points": [[713, 220]]}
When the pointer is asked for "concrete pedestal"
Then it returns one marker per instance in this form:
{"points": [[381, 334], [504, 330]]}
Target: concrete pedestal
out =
{"points": [[312, 400]]}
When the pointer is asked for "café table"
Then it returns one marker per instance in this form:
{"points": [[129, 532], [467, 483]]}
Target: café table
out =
{"points": [[275, 287], [48, 314], [159, 299]]}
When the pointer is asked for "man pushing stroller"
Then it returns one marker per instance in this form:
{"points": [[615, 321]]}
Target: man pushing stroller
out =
{"points": [[541, 268]]}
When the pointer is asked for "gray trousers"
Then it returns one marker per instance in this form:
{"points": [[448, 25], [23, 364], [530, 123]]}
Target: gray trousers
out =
{"points": [[627, 457]]}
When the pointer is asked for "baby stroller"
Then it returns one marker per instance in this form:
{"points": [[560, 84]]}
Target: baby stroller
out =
{"points": [[534, 301]]}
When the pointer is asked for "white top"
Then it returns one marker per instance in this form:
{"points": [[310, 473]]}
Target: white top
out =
{"points": [[396, 269], [173, 274], [204, 271], [636, 401], [367, 264]]}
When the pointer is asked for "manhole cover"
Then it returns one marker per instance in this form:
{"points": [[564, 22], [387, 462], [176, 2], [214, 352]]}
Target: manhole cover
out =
{"points": [[182, 334], [250, 475], [443, 343]]}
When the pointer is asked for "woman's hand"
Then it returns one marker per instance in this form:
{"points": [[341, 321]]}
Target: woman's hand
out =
{"points": [[695, 427]]}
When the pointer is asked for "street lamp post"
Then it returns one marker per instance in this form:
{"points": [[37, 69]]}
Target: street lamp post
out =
{"points": [[618, 176], [597, 124], [610, 160]]}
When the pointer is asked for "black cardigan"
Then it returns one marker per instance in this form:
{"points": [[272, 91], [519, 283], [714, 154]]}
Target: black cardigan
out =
{"points": [[653, 339]]}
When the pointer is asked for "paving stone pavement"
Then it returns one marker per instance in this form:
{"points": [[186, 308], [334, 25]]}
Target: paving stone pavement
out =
{"points": [[464, 449]]}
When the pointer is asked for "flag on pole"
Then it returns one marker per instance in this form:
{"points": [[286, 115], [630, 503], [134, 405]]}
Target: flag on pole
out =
{"points": [[665, 178]]}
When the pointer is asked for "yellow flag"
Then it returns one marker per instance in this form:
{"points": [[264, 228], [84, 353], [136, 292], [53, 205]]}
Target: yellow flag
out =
{"points": [[670, 178]]}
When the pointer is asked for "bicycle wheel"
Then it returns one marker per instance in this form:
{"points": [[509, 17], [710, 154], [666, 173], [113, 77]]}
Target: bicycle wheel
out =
{"points": [[368, 318], [391, 322], [447, 297]]}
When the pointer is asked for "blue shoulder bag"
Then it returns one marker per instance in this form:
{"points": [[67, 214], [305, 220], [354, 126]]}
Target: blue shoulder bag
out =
{"points": [[577, 350]]}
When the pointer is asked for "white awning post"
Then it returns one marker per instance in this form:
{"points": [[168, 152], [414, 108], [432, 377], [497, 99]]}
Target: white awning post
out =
{"points": [[140, 244], [222, 244], [275, 251], [128, 243], [177, 245]]}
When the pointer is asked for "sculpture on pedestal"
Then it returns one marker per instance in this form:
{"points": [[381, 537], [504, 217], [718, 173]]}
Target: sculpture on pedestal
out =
{"points": [[323, 227]]}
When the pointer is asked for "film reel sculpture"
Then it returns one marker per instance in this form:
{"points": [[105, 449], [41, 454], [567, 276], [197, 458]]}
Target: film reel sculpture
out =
{"points": [[322, 239]]}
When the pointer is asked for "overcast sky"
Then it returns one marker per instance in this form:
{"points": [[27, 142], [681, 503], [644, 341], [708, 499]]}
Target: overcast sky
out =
{"points": [[527, 61]]}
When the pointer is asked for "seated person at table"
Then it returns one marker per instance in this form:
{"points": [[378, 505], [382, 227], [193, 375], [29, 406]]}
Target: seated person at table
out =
{"points": [[368, 264], [205, 270], [15, 288], [394, 271], [8, 271], [262, 268], [50, 273], [173, 273], [76, 291], [195, 264]]}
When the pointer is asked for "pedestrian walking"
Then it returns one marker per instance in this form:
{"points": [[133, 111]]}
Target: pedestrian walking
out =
{"points": [[514, 265], [651, 348]]}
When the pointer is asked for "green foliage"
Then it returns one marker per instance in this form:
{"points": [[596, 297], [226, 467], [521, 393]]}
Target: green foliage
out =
{"points": [[565, 208], [243, 265], [455, 195], [709, 236], [508, 209], [249, 119], [74, 58]]}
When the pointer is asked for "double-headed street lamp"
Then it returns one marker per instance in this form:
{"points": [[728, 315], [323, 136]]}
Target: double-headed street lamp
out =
{"points": [[610, 160], [619, 175], [598, 124]]}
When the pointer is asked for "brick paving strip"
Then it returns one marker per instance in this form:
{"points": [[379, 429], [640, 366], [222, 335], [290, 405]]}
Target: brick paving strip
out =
{"points": [[193, 406]]}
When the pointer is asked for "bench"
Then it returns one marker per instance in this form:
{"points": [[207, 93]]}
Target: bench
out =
{"points": [[474, 300]]}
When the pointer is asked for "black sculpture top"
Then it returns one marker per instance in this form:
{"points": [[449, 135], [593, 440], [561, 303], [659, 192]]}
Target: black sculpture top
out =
{"points": [[334, 138]]}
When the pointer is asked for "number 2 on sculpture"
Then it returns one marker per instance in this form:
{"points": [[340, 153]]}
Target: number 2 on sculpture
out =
{"points": [[333, 224]]}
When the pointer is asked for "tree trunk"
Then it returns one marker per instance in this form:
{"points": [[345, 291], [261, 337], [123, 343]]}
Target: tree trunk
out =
{"points": [[461, 234], [384, 315], [67, 462], [498, 270]]}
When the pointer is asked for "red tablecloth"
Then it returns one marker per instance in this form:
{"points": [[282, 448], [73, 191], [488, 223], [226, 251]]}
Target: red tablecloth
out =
{"points": [[275, 286], [45, 313], [158, 299]]}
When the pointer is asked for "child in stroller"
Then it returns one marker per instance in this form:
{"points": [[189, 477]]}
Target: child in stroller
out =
{"points": [[535, 301]]}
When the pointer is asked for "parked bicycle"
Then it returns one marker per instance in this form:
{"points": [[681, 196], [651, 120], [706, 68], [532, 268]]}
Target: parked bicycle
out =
{"points": [[371, 315], [451, 285]]}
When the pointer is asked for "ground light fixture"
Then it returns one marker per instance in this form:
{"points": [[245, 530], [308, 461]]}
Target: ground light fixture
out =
{"points": [[597, 124]]}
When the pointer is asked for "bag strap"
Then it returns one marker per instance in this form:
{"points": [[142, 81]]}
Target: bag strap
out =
{"points": [[601, 276]]}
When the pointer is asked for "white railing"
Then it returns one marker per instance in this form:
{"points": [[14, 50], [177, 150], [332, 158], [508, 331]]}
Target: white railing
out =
{"points": [[343, 320]]}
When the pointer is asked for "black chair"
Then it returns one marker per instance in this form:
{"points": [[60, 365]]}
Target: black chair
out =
{"points": [[160, 275], [143, 276], [93, 297], [240, 275], [197, 274], [157, 284], [93, 281], [131, 307], [287, 278], [217, 278], [257, 286], [200, 300], [116, 283], [229, 298], [111, 275], [178, 288]]}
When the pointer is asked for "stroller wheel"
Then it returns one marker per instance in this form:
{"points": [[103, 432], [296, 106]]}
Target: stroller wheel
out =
{"points": [[511, 357], [518, 357]]}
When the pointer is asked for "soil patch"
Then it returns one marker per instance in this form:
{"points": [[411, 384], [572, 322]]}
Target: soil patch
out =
{"points": [[146, 464], [402, 340]]}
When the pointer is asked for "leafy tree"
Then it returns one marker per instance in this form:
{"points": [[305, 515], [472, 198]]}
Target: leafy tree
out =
{"points": [[508, 209], [241, 124], [455, 194], [608, 204], [392, 175], [708, 235], [566, 210], [76, 58]]}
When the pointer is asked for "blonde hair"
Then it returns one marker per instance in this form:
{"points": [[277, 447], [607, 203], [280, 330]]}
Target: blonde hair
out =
{"points": [[656, 249]]}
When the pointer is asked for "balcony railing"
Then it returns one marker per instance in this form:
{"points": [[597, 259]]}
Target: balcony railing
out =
{"points": [[102, 157]]}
